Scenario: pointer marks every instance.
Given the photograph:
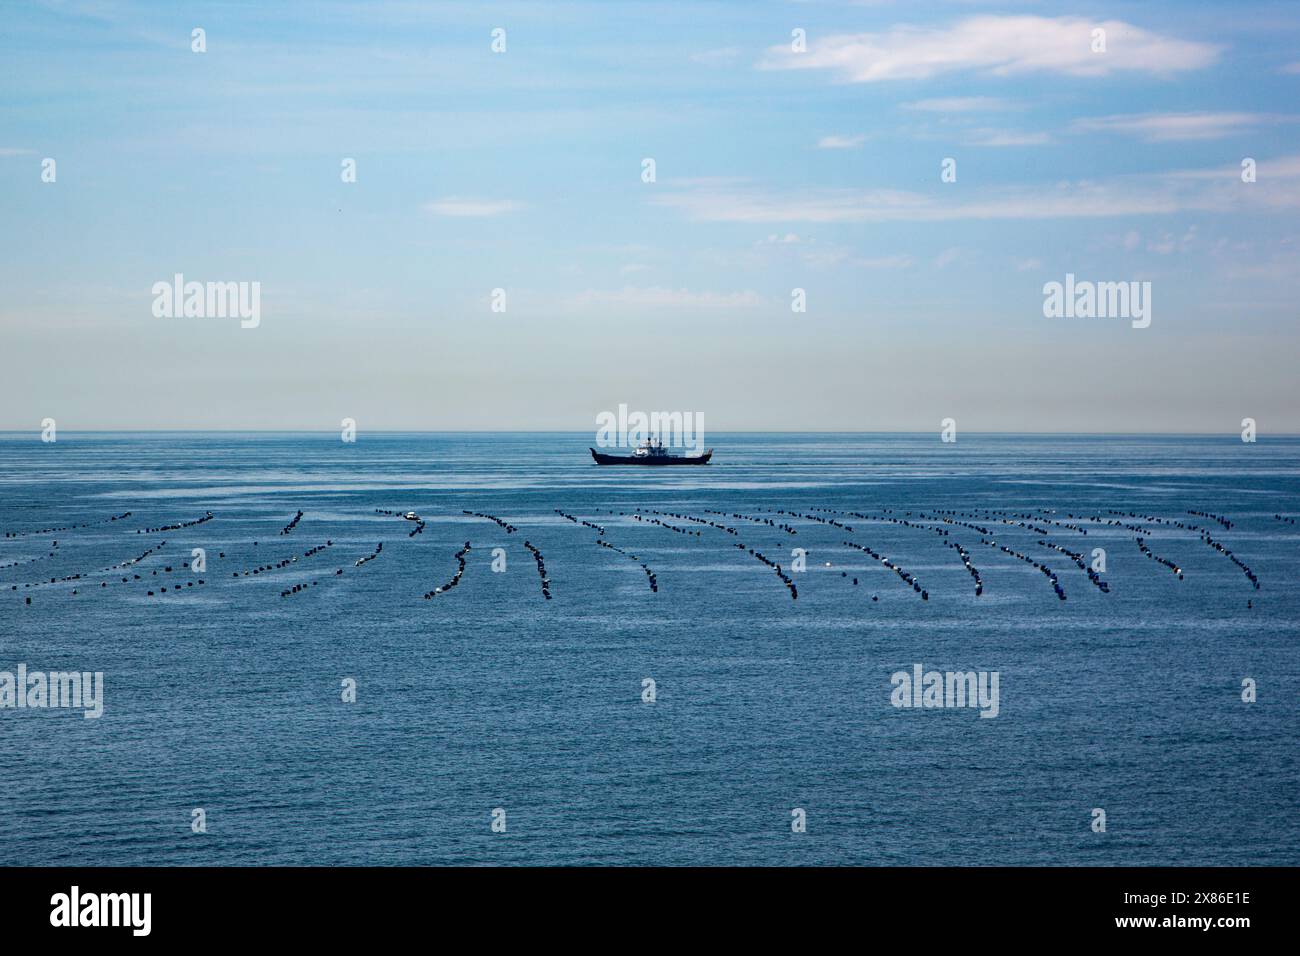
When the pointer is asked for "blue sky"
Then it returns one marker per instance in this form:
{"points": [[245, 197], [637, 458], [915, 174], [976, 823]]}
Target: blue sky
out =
{"points": [[775, 170]]}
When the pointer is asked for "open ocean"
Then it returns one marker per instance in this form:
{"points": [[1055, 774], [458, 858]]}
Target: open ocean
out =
{"points": [[226, 695]]}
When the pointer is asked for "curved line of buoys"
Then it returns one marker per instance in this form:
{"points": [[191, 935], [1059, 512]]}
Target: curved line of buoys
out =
{"points": [[1142, 546], [692, 518], [455, 578], [70, 527], [780, 572], [85, 574], [820, 520], [599, 529], [370, 557], [787, 528], [23, 564], [650, 575], [1250, 575], [1078, 558], [509, 528], [664, 524], [541, 569], [906, 522], [282, 563], [293, 523], [176, 527], [1227, 524], [1205, 538], [908, 579], [419, 522], [1040, 566]]}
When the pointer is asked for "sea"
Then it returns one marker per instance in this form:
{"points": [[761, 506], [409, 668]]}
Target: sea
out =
{"points": [[641, 666]]}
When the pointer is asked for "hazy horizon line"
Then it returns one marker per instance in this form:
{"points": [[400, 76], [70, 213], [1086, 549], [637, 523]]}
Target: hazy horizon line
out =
{"points": [[554, 431]]}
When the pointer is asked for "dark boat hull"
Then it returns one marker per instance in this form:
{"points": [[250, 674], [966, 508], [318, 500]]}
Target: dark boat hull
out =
{"points": [[651, 461]]}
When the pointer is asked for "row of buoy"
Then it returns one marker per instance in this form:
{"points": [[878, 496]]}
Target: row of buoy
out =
{"points": [[1039, 565], [1142, 546], [962, 553], [787, 528], [293, 523], [370, 557], [692, 518], [22, 564], [827, 521], [991, 542], [1227, 525], [78, 576], [175, 588], [1250, 575], [70, 527], [1286, 519], [599, 529], [299, 588], [419, 522], [785, 578], [509, 528], [541, 569], [176, 527], [455, 578], [907, 578], [1207, 539], [1079, 559], [1029, 516], [664, 524], [281, 564], [653, 581]]}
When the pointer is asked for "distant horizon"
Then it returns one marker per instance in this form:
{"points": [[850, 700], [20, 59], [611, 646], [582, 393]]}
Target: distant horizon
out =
{"points": [[1262, 436]]}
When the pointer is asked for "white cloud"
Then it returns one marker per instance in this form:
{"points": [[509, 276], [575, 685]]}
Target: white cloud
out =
{"points": [[1171, 127], [1291, 68], [462, 206], [15, 151], [1000, 45], [841, 142], [962, 104], [1004, 137], [1203, 190]]}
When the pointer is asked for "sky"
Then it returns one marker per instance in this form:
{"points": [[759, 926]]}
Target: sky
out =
{"points": [[778, 166]]}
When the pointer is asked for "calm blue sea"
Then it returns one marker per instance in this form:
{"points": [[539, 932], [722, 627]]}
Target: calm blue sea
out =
{"points": [[226, 695]]}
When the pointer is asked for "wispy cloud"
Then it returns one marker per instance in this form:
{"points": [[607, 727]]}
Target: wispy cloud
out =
{"points": [[1170, 127], [999, 45], [462, 206], [962, 104], [841, 142], [1004, 137], [1204, 190], [15, 151]]}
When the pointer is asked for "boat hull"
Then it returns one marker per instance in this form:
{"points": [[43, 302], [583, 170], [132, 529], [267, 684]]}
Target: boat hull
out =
{"points": [[651, 461]]}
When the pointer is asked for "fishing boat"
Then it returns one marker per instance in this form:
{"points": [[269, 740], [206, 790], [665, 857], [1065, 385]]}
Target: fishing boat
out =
{"points": [[651, 453]]}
